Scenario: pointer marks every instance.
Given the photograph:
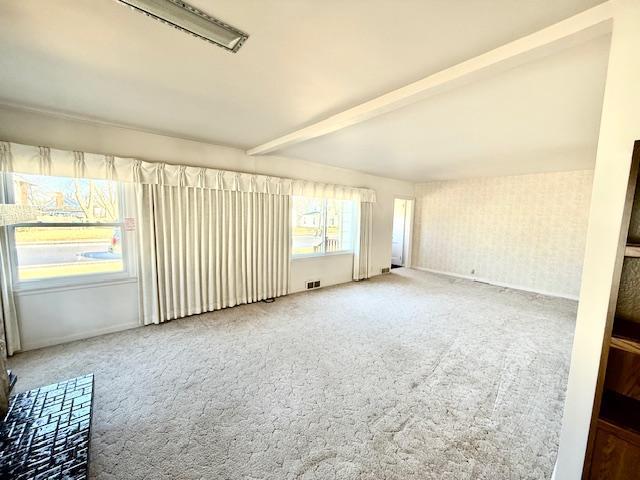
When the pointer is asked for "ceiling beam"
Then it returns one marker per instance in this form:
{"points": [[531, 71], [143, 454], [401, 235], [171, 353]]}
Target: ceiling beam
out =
{"points": [[581, 27]]}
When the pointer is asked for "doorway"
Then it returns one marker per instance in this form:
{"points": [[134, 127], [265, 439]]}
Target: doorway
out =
{"points": [[401, 236]]}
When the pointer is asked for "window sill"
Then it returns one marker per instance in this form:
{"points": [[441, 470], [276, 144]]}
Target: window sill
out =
{"points": [[310, 256], [44, 286]]}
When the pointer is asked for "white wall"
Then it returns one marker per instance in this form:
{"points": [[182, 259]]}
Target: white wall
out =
{"points": [[619, 129], [330, 270], [40, 128], [525, 231], [59, 315]]}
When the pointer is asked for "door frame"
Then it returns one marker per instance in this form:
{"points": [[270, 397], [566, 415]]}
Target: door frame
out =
{"points": [[409, 214]]}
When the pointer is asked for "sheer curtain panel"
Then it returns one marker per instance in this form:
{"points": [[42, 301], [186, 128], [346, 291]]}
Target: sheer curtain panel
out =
{"points": [[202, 249], [362, 247], [10, 333]]}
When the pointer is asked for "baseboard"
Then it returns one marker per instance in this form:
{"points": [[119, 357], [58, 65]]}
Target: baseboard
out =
{"points": [[498, 284], [79, 336]]}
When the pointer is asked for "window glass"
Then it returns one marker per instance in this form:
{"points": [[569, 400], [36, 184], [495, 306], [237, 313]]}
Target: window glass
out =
{"points": [[308, 225], [79, 230], [68, 200], [339, 225], [49, 252], [321, 226]]}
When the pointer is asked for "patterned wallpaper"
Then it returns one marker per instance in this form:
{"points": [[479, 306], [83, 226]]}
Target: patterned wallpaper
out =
{"points": [[525, 231]]}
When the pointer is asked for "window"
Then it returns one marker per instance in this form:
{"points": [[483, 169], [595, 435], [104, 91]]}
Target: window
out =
{"points": [[322, 226], [79, 231]]}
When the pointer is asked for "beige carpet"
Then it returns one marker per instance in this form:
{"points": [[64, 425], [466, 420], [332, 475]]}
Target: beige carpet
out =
{"points": [[406, 376]]}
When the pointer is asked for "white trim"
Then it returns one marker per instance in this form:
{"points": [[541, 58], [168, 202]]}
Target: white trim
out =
{"points": [[47, 288], [306, 256], [409, 214], [80, 336], [581, 27], [409, 218], [499, 284], [71, 282]]}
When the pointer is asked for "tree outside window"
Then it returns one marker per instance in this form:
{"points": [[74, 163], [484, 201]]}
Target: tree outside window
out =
{"points": [[79, 230]]}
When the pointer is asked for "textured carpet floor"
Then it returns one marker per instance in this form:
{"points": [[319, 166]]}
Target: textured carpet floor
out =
{"points": [[406, 376]]}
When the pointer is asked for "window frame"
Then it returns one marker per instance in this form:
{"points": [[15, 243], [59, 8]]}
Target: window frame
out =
{"points": [[324, 253], [70, 280]]}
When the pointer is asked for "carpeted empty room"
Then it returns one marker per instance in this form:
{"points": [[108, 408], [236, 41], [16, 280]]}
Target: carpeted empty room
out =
{"points": [[407, 376], [319, 240]]}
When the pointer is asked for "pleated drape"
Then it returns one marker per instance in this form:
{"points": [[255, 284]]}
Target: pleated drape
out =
{"points": [[202, 250], [362, 247], [64, 163], [10, 333]]}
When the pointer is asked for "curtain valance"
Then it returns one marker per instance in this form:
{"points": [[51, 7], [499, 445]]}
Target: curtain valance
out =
{"points": [[19, 158]]}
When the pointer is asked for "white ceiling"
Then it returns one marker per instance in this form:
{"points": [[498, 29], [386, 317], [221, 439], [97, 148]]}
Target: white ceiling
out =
{"points": [[306, 60], [541, 116]]}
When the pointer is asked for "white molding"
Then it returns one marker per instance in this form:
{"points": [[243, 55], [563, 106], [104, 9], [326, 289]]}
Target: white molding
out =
{"points": [[311, 256], [586, 25], [499, 284], [44, 287], [80, 336], [408, 240]]}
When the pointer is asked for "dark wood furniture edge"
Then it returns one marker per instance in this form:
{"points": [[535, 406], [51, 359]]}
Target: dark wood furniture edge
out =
{"points": [[613, 300]]}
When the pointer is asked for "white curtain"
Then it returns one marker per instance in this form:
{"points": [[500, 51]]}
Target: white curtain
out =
{"points": [[209, 238], [362, 248], [10, 333], [63, 163], [203, 249]]}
